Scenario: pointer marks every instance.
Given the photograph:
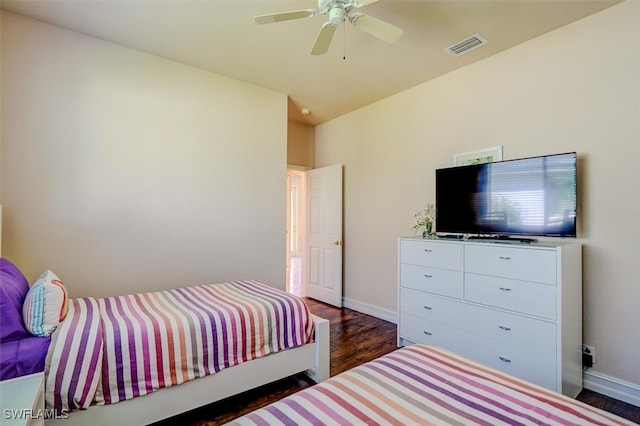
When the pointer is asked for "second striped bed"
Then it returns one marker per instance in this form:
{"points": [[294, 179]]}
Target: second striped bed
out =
{"points": [[112, 349], [424, 385]]}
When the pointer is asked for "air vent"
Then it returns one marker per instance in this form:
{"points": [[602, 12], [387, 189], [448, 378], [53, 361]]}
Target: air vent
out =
{"points": [[466, 45]]}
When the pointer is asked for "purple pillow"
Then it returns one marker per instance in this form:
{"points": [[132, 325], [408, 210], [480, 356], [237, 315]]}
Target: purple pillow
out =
{"points": [[13, 289]]}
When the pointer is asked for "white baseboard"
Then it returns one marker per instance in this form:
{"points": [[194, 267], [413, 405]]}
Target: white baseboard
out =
{"points": [[374, 311], [612, 387]]}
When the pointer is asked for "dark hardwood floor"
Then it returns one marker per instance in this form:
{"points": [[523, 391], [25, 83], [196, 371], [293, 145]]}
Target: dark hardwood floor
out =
{"points": [[355, 338]]}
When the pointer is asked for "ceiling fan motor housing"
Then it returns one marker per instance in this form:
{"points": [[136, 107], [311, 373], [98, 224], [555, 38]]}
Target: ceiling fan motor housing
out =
{"points": [[336, 15]]}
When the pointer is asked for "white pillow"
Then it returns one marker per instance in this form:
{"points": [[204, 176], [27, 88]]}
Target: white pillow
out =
{"points": [[45, 305]]}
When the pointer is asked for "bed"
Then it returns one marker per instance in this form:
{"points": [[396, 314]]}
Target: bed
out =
{"points": [[421, 384], [140, 358]]}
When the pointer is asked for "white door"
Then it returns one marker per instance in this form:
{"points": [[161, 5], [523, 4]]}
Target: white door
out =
{"points": [[322, 266]]}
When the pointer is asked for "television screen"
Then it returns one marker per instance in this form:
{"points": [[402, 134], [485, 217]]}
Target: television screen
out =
{"points": [[530, 196]]}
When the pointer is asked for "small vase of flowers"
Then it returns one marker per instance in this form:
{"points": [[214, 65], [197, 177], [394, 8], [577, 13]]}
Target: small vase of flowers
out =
{"points": [[425, 219]]}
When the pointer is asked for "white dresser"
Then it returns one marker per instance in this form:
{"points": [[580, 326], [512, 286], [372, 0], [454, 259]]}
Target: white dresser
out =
{"points": [[516, 307]]}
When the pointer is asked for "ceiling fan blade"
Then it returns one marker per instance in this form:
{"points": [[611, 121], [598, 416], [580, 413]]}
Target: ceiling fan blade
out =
{"points": [[377, 28], [284, 16], [323, 41]]}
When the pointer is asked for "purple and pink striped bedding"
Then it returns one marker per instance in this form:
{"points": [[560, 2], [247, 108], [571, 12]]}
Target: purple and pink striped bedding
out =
{"points": [[112, 349], [423, 385]]}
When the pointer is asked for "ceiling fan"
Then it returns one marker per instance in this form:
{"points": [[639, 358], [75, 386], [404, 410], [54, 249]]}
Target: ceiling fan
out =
{"points": [[338, 11]]}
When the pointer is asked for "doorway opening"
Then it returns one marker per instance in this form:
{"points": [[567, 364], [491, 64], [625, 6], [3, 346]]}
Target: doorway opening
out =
{"points": [[295, 234]]}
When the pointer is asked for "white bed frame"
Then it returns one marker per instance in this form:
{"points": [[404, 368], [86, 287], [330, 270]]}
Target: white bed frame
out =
{"points": [[167, 402]]}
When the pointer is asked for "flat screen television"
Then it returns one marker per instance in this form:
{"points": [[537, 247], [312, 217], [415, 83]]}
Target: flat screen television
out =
{"points": [[534, 196]]}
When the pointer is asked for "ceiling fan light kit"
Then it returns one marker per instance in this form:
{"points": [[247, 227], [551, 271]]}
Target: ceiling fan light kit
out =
{"points": [[337, 12]]}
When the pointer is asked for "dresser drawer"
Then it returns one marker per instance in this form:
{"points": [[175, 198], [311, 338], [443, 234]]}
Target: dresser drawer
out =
{"points": [[433, 308], [526, 333], [419, 330], [433, 280], [514, 295], [430, 253], [538, 265], [541, 370]]}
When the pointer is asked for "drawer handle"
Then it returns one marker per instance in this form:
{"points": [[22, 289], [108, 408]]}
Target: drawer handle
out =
{"points": [[505, 257], [428, 308], [505, 289], [428, 276], [504, 327], [504, 358], [428, 250], [428, 333]]}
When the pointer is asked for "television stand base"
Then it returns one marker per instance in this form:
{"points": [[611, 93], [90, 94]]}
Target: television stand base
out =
{"points": [[452, 236], [503, 238]]}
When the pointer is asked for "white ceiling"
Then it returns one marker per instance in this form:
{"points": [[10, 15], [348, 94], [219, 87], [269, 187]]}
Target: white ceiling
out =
{"points": [[221, 36]]}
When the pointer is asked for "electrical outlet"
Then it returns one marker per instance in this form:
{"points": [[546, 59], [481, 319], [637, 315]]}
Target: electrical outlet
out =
{"points": [[591, 351]]}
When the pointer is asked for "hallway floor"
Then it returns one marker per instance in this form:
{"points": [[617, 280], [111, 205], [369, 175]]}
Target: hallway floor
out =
{"points": [[295, 276]]}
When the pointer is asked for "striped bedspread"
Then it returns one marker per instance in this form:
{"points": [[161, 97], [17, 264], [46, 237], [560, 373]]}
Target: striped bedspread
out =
{"points": [[423, 385], [112, 349]]}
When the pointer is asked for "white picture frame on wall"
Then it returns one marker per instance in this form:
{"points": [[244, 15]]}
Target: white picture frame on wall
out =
{"points": [[487, 155]]}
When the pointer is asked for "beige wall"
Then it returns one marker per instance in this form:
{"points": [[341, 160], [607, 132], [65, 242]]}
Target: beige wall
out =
{"points": [[125, 172], [577, 88], [301, 144]]}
